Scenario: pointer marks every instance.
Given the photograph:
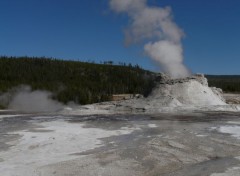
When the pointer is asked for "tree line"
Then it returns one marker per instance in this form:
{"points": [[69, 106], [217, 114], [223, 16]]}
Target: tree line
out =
{"points": [[85, 83], [228, 83], [76, 81]]}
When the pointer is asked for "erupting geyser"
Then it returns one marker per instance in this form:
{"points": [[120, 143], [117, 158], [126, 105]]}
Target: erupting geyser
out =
{"points": [[154, 26]]}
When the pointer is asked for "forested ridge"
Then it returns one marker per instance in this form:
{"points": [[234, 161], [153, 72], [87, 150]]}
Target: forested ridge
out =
{"points": [[85, 83], [228, 83], [76, 81]]}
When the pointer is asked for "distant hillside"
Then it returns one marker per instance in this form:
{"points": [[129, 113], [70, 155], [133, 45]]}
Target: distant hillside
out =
{"points": [[86, 83], [74, 81], [229, 83]]}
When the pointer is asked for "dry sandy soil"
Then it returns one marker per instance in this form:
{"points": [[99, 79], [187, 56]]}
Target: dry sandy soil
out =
{"points": [[206, 144]]}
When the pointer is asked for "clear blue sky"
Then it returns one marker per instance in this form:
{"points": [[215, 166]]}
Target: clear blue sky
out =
{"points": [[88, 30]]}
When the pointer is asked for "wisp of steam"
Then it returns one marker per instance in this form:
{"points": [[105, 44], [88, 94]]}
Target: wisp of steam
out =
{"points": [[155, 27]]}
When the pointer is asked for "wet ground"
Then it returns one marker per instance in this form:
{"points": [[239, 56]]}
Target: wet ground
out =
{"points": [[199, 144]]}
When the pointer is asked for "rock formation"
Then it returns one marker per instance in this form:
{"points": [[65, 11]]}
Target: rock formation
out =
{"points": [[170, 95], [190, 91]]}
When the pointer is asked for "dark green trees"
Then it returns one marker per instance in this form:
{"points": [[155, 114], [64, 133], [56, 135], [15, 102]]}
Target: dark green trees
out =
{"points": [[74, 81]]}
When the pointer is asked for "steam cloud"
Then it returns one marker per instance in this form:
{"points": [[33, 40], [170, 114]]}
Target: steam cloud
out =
{"points": [[156, 28], [24, 99]]}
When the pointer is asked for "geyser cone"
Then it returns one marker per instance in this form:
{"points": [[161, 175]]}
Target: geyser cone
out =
{"points": [[189, 91]]}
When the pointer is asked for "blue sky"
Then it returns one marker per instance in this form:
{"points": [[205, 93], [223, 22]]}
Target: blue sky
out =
{"points": [[88, 30]]}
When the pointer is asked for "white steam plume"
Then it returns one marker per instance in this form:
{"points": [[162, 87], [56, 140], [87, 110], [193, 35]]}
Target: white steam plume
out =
{"points": [[23, 99], [156, 28]]}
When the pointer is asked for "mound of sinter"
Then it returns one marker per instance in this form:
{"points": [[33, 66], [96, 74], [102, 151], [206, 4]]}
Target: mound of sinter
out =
{"points": [[169, 95], [190, 91]]}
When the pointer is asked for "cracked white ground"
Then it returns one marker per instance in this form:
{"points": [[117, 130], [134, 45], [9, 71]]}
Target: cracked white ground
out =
{"points": [[163, 144]]}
